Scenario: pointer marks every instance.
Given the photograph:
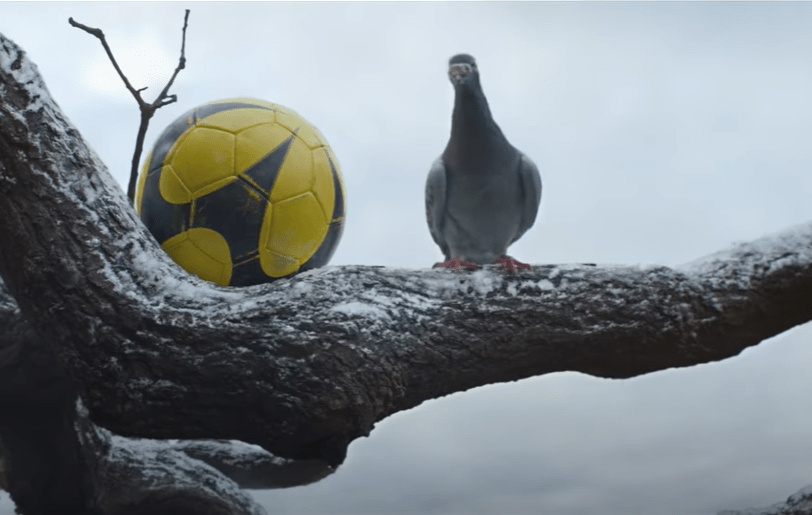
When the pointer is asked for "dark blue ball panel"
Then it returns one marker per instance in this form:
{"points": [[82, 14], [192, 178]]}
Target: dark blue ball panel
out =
{"points": [[248, 272], [163, 219], [327, 248], [235, 211]]}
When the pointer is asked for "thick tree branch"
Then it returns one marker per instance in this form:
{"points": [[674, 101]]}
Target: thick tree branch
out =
{"points": [[43, 462], [56, 460], [303, 366], [147, 110]]}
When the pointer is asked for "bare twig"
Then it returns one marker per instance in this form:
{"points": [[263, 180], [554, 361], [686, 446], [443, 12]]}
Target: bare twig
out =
{"points": [[147, 110]]}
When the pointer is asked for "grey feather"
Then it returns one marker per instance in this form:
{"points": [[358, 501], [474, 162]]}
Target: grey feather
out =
{"points": [[482, 194], [531, 188], [435, 203]]}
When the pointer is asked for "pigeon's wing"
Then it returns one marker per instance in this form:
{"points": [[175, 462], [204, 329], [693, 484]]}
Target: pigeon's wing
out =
{"points": [[436, 203], [531, 188]]}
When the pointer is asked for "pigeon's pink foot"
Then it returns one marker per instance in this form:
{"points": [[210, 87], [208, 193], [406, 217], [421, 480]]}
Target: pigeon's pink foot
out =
{"points": [[457, 265], [511, 265]]}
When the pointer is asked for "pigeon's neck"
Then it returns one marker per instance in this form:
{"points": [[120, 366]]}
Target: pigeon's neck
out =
{"points": [[475, 136], [472, 116]]}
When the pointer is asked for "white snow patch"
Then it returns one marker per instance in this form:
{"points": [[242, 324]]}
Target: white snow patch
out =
{"points": [[360, 349], [323, 270], [542, 284], [377, 298], [439, 282], [791, 246], [545, 284], [246, 448], [191, 288], [484, 281], [141, 446], [302, 289], [161, 383], [28, 75], [363, 309]]}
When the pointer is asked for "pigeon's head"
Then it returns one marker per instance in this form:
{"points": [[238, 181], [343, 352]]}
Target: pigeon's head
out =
{"points": [[462, 70]]}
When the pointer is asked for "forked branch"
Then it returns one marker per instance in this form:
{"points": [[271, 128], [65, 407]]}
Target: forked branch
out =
{"points": [[147, 110]]}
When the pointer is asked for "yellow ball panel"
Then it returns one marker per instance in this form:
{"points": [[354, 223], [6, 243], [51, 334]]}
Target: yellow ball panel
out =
{"points": [[277, 265], [172, 188], [296, 229], [296, 173], [202, 252], [295, 123], [273, 263], [203, 158], [323, 187], [253, 144], [142, 178], [236, 120]]}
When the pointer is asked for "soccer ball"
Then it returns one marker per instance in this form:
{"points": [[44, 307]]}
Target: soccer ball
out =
{"points": [[241, 192]]}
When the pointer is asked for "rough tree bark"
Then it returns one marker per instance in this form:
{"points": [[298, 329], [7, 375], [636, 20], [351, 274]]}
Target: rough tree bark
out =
{"points": [[60, 462], [304, 365]]}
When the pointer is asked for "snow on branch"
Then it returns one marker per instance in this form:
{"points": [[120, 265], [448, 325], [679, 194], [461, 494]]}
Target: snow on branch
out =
{"points": [[304, 365]]}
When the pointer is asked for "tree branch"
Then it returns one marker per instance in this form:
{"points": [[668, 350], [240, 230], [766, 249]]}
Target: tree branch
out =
{"points": [[55, 460], [147, 110], [251, 466], [147, 476], [305, 365], [100, 35]]}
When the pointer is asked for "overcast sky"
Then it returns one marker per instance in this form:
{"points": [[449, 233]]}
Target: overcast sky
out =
{"points": [[663, 132]]}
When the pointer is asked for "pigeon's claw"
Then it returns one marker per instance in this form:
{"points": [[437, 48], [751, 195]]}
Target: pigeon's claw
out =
{"points": [[511, 265], [456, 265]]}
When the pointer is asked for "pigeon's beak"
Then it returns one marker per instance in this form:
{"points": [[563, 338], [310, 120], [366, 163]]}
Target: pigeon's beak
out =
{"points": [[459, 72]]}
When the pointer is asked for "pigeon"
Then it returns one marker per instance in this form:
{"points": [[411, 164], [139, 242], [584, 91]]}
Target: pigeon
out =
{"points": [[482, 194]]}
